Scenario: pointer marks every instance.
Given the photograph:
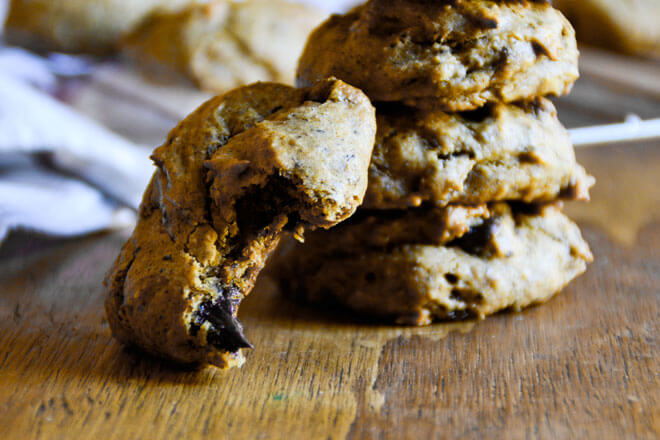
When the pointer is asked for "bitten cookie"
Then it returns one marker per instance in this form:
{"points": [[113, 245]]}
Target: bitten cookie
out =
{"points": [[231, 178], [502, 258], [499, 152], [456, 55], [77, 26], [224, 44]]}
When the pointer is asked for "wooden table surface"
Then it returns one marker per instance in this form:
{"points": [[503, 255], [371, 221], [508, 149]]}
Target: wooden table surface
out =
{"points": [[585, 365]]}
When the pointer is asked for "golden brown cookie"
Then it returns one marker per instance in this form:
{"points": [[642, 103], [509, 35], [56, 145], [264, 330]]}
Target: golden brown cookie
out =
{"points": [[629, 26], [77, 26], [499, 152], [506, 259], [224, 44], [231, 178], [453, 54]]}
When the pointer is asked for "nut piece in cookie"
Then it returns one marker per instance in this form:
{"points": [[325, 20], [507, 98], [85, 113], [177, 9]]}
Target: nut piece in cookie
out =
{"points": [[231, 179], [506, 258], [224, 44], [456, 55], [498, 152], [77, 26]]}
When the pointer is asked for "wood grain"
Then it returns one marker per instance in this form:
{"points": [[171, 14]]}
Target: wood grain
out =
{"points": [[585, 365]]}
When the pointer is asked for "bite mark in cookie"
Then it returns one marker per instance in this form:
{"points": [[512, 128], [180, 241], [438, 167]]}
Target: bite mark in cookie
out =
{"points": [[231, 179]]}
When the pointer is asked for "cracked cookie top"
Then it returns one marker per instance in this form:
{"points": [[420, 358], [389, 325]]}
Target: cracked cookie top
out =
{"points": [[453, 54], [224, 44]]}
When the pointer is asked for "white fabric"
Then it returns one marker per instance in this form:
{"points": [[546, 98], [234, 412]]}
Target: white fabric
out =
{"points": [[35, 199], [332, 5], [33, 122], [98, 175]]}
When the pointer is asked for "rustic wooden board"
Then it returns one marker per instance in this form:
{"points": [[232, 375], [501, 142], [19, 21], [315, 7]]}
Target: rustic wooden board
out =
{"points": [[585, 365]]}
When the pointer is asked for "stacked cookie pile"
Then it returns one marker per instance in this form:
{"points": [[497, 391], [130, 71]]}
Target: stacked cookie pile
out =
{"points": [[462, 216]]}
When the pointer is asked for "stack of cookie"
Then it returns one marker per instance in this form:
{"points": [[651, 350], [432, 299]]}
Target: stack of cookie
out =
{"points": [[462, 216]]}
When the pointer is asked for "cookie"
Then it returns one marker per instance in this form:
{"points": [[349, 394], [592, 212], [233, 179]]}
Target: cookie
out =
{"points": [[231, 179], [77, 26], [369, 229], [627, 26], [512, 259], [499, 152], [455, 55], [222, 44]]}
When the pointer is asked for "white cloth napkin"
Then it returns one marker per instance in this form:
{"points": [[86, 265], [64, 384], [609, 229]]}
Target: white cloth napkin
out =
{"points": [[61, 173], [41, 200]]}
